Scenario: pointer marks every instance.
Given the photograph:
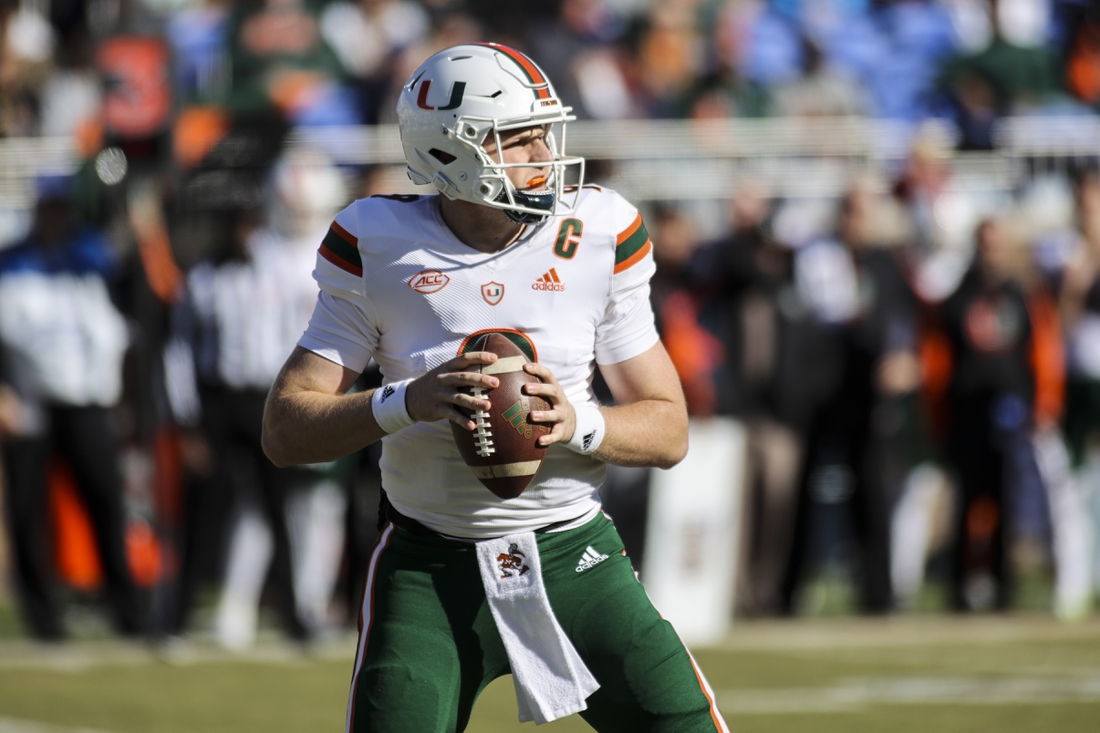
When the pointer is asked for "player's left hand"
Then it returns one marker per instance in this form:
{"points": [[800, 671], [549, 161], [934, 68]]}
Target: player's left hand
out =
{"points": [[561, 416]]}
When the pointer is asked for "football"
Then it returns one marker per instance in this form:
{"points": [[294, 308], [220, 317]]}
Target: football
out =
{"points": [[503, 450]]}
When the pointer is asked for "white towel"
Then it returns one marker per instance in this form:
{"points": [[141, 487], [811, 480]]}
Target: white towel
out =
{"points": [[550, 677]]}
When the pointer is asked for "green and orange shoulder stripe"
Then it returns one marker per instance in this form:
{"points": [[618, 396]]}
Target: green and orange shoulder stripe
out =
{"points": [[632, 245], [341, 248]]}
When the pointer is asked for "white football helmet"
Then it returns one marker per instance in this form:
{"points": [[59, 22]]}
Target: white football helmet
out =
{"points": [[459, 97]]}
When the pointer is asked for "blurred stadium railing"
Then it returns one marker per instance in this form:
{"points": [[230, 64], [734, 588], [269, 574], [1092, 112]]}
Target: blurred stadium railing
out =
{"points": [[678, 160]]}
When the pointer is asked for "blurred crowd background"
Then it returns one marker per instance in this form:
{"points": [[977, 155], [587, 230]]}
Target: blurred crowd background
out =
{"points": [[878, 231]]}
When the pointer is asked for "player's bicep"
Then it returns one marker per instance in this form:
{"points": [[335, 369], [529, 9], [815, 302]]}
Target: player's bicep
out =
{"points": [[305, 371], [647, 376]]}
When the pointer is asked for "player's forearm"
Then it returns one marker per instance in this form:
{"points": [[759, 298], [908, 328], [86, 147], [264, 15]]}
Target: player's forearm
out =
{"points": [[649, 433], [313, 427]]}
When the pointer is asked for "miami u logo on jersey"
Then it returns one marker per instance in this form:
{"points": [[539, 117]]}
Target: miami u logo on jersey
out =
{"points": [[493, 292], [457, 92]]}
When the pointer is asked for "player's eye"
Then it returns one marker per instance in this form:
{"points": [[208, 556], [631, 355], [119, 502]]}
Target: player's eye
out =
{"points": [[526, 138]]}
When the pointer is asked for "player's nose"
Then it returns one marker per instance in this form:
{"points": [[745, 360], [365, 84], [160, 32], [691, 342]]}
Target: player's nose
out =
{"points": [[540, 152]]}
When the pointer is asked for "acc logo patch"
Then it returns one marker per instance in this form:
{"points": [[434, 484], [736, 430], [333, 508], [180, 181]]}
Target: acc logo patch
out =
{"points": [[493, 292], [428, 281]]}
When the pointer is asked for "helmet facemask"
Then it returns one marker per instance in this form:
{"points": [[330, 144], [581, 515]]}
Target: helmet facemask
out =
{"points": [[493, 188]]}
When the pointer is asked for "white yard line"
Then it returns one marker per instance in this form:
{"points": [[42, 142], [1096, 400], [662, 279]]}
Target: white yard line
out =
{"points": [[81, 656], [14, 725], [858, 694], [902, 632]]}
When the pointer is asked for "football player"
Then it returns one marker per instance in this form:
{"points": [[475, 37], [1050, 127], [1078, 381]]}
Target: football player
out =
{"points": [[463, 586]]}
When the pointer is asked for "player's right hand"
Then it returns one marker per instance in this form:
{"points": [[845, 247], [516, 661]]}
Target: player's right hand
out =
{"points": [[438, 394]]}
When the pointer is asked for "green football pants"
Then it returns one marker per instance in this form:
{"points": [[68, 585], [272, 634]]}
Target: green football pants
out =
{"points": [[428, 645]]}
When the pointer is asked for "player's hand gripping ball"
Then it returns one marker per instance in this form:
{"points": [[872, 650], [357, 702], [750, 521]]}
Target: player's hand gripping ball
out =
{"points": [[503, 450]]}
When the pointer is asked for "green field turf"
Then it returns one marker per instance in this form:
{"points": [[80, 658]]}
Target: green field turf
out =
{"points": [[1023, 673]]}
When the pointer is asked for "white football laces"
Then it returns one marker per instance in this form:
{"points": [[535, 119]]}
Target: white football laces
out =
{"points": [[483, 433]]}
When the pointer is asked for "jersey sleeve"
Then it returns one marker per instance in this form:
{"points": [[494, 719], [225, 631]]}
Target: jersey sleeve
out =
{"points": [[341, 328], [339, 263], [628, 328], [633, 251]]}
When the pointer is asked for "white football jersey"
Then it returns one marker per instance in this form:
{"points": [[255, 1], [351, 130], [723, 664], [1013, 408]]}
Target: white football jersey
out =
{"points": [[398, 286]]}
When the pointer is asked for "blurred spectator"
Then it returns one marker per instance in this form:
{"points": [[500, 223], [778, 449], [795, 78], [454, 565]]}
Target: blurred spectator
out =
{"points": [[881, 60], [1014, 74], [217, 383], [72, 96], [582, 50], [693, 351], [366, 36], [27, 43], [820, 90], [772, 49], [941, 214], [1082, 51], [668, 58], [723, 90], [751, 306], [917, 38], [972, 21], [1079, 304], [243, 313], [62, 342], [282, 66], [990, 335], [856, 450], [198, 35]]}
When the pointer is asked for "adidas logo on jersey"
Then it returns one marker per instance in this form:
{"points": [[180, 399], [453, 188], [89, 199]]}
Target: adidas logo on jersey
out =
{"points": [[589, 559], [549, 281]]}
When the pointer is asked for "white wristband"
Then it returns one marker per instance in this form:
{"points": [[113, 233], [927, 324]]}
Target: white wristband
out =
{"points": [[390, 411], [589, 430]]}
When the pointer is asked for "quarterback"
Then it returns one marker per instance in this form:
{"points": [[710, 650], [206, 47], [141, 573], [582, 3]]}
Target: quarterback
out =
{"points": [[464, 586]]}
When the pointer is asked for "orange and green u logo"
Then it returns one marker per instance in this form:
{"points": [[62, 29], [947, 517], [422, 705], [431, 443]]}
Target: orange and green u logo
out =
{"points": [[457, 91]]}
